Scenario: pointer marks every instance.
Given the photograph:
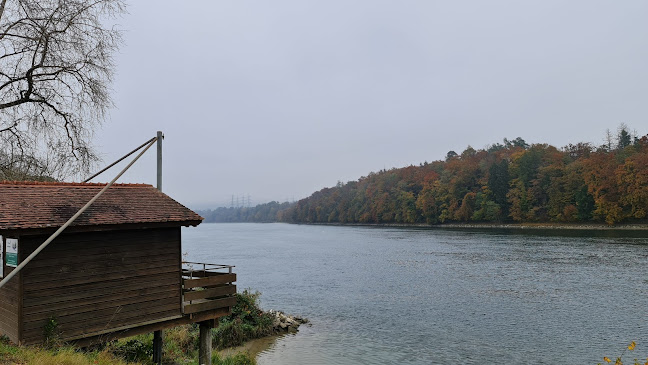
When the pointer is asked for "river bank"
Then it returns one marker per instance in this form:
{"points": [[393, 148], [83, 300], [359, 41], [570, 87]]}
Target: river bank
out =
{"points": [[512, 226], [283, 324]]}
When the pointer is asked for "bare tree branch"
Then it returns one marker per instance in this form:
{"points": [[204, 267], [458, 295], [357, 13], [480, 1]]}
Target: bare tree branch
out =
{"points": [[55, 70]]}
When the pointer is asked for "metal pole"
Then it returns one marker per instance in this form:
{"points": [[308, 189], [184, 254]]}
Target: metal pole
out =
{"points": [[74, 217], [160, 137], [158, 336], [120, 160]]}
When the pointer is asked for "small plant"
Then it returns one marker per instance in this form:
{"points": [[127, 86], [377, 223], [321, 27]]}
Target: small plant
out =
{"points": [[619, 360], [134, 349], [52, 333]]}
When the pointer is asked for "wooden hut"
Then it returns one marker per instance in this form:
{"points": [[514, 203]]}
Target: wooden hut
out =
{"points": [[116, 271]]}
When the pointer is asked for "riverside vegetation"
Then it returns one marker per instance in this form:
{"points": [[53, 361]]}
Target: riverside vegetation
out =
{"points": [[513, 182], [246, 322], [619, 360]]}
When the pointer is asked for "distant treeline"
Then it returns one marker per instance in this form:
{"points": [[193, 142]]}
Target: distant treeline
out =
{"points": [[262, 213], [504, 182], [509, 182]]}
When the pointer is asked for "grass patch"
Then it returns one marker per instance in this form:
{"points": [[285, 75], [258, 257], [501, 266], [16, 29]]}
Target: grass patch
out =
{"points": [[65, 355], [238, 359], [180, 347]]}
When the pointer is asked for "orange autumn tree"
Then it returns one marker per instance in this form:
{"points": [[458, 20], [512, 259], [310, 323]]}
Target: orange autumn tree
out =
{"points": [[509, 182]]}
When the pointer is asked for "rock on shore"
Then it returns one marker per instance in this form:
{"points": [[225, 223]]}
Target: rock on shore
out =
{"points": [[286, 323]]}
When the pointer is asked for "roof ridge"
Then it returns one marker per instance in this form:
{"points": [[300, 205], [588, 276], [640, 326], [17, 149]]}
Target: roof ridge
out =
{"points": [[71, 184]]}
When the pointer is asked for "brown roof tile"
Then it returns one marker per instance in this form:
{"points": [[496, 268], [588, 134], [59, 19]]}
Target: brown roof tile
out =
{"points": [[37, 205]]}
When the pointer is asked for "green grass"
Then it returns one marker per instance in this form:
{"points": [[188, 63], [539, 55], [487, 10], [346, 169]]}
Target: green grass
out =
{"points": [[180, 346], [66, 355]]}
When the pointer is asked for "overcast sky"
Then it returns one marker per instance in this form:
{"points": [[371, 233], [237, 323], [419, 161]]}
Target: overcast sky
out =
{"points": [[278, 99]]}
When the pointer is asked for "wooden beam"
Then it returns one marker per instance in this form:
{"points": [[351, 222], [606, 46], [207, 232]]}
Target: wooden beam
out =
{"points": [[209, 293], [209, 305], [209, 281], [205, 350], [158, 340], [137, 329]]}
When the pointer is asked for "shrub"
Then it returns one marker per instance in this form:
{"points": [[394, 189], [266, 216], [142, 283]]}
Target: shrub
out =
{"points": [[246, 322], [133, 349]]}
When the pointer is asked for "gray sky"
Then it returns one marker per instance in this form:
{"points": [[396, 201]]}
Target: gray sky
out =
{"points": [[278, 99]]}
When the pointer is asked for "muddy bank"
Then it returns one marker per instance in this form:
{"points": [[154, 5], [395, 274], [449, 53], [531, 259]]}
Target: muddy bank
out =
{"points": [[252, 347], [283, 324]]}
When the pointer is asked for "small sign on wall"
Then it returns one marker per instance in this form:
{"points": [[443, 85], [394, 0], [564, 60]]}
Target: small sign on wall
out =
{"points": [[11, 256]]}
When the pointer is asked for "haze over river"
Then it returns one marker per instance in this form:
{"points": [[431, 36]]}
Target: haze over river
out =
{"points": [[440, 296]]}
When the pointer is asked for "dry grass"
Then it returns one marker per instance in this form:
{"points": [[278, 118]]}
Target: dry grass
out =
{"points": [[10, 354]]}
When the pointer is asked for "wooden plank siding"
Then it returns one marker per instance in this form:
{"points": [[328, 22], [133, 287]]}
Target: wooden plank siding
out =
{"points": [[10, 307], [93, 282]]}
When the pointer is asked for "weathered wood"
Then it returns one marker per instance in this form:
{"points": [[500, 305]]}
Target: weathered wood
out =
{"points": [[73, 259], [129, 277], [112, 284], [107, 263], [205, 348], [78, 299], [109, 287], [99, 298], [200, 273], [10, 307], [141, 308], [213, 280], [209, 305], [78, 243], [93, 243], [210, 293], [158, 340], [35, 335], [43, 282], [139, 328], [65, 309]]}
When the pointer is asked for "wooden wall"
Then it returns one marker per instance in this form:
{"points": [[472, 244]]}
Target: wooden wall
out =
{"points": [[10, 307], [96, 281]]}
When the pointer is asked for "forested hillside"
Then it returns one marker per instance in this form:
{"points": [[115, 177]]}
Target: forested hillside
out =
{"points": [[269, 212], [509, 182]]}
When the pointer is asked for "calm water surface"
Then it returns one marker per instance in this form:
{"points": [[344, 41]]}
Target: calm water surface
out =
{"points": [[437, 296]]}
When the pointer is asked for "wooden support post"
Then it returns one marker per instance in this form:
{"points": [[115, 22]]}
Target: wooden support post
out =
{"points": [[157, 347], [205, 351]]}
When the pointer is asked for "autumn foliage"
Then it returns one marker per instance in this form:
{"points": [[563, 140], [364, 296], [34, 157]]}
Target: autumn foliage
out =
{"points": [[509, 182]]}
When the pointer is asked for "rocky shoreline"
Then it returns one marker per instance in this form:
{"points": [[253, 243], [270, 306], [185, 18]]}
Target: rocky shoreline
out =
{"points": [[285, 323]]}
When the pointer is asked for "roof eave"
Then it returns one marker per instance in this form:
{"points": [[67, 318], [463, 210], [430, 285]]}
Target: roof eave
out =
{"points": [[8, 232]]}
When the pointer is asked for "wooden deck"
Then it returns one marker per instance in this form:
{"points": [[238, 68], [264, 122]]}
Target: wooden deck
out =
{"points": [[207, 287], [208, 293]]}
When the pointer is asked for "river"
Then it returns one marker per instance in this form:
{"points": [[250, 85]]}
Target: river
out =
{"points": [[440, 296]]}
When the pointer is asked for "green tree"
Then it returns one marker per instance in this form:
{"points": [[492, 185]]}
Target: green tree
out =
{"points": [[498, 184]]}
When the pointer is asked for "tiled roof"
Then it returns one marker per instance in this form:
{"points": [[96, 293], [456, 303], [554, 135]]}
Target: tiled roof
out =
{"points": [[32, 205]]}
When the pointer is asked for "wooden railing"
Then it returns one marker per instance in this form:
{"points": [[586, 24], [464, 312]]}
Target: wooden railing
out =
{"points": [[207, 287]]}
